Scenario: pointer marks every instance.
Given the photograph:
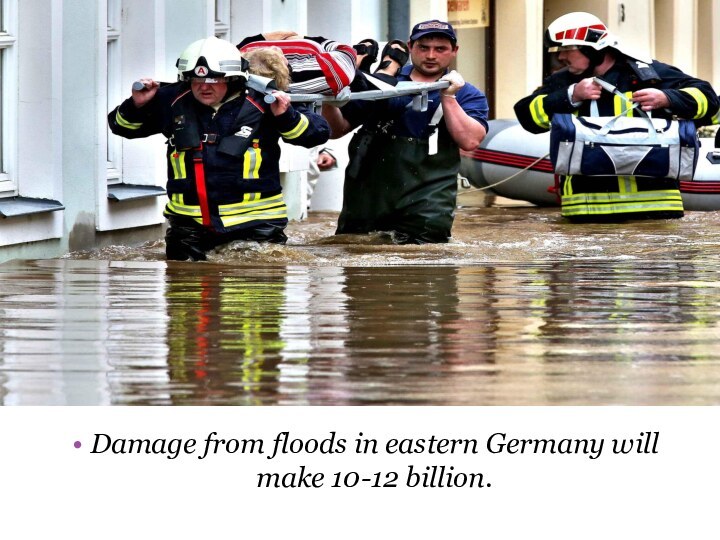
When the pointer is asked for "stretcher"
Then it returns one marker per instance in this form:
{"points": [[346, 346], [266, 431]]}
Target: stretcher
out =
{"points": [[418, 90]]}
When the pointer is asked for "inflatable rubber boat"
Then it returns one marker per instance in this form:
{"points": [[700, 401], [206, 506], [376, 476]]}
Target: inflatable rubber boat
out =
{"points": [[513, 163]]}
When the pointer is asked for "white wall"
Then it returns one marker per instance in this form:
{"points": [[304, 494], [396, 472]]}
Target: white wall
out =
{"points": [[685, 17], [36, 143], [423, 10]]}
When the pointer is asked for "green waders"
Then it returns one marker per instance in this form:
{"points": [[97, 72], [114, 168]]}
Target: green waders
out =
{"points": [[393, 184]]}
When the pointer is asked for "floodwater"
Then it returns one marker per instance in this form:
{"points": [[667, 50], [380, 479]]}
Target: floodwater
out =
{"points": [[520, 308]]}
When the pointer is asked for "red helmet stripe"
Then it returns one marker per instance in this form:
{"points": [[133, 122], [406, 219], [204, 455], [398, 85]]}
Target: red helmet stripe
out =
{"points": [[579, 33]]}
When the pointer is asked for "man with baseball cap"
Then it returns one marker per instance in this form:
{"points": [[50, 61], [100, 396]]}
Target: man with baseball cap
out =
{"points": [[402, 174], [433, 27]]}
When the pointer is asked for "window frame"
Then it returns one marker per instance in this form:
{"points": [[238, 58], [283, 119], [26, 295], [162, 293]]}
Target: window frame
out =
{"points": [[8, 97], [114, 77], [221, 18]]}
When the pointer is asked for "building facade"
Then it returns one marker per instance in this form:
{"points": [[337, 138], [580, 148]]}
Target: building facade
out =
{"points": [[66, 184]]}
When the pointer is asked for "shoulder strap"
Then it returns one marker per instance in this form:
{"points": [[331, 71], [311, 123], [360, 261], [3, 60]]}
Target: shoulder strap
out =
{"points": [[644, 71], [434, 121], [185, 130], [244, 126]]}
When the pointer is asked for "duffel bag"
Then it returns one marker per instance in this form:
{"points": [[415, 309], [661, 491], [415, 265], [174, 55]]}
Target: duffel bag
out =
{"points": [[623, 145]]}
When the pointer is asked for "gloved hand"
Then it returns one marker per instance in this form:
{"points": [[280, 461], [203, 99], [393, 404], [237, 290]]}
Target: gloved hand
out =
{"points": [[143, 91], [456, 83]]}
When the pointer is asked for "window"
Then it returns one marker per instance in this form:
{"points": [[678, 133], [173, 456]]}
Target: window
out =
{"points": [[8, 85], [2, 77], [114, 144], [128, 183], [222, 19]]}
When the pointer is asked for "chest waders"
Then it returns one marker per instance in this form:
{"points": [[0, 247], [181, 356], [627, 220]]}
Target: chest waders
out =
{"points": [[394, 184]]}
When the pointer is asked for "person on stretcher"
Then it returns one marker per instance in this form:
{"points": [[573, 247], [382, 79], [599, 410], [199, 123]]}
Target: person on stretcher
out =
{"points": [[323, 66]]}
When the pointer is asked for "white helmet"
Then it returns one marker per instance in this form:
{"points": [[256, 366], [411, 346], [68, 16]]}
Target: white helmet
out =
{"points": [[578, 29], [586, 32], [211, 58]]}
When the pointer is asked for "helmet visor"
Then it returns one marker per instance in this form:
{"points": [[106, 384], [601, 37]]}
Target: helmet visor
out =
{"points": [[561, 48], [210, 80]]}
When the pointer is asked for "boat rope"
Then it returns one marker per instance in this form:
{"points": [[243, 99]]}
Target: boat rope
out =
{"points": [[490, 186]]}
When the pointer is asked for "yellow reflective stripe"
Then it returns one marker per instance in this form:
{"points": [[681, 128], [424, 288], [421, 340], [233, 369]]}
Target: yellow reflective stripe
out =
{"points": [[251, 208], [298, 130], [124, 123], [699, 97], [537, 111], [250, 201], [621, 197], [567, 186], [177, 160], [588, 209], [230, 221], [621, 106], [176, 205], [278, 213], [716, 117], [627, 184], [252, 161], [617, 203]]}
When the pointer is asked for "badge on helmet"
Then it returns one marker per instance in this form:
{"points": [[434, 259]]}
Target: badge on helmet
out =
{"points": [[211, 57]]}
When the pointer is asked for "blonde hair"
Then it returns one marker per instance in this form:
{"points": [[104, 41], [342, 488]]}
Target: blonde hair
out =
{"points": [[269, 62]]}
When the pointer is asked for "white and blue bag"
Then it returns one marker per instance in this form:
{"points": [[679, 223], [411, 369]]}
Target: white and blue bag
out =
{"points": [[623, 145]]}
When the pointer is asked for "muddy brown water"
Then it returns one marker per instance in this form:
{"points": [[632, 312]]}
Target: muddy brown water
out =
{"points": [[520, 308]]}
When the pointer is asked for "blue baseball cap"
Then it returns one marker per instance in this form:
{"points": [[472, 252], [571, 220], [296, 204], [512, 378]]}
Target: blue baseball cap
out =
{"points": [[436, 27]]}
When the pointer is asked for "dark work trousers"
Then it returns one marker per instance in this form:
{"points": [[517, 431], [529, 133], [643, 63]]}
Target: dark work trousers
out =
{"points": [[186, 239]]}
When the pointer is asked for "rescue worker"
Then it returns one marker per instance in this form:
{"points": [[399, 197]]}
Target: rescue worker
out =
{"points": [[223, 153], [402, 174], [587, 49]]}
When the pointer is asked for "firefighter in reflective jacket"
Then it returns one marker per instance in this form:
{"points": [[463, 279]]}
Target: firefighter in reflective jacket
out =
{"points": [[588, 50], [223, 152]]}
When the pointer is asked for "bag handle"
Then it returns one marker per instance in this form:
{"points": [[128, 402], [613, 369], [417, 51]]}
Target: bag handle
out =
{"points": [[652, 132]]}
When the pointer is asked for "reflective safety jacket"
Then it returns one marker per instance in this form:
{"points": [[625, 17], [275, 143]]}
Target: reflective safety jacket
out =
{"points": [[624, 197], [222, 166]]}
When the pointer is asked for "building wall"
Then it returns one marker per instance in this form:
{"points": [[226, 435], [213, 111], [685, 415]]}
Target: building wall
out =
{"points": [[59, 83], [518, 58], [32, 130]]}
